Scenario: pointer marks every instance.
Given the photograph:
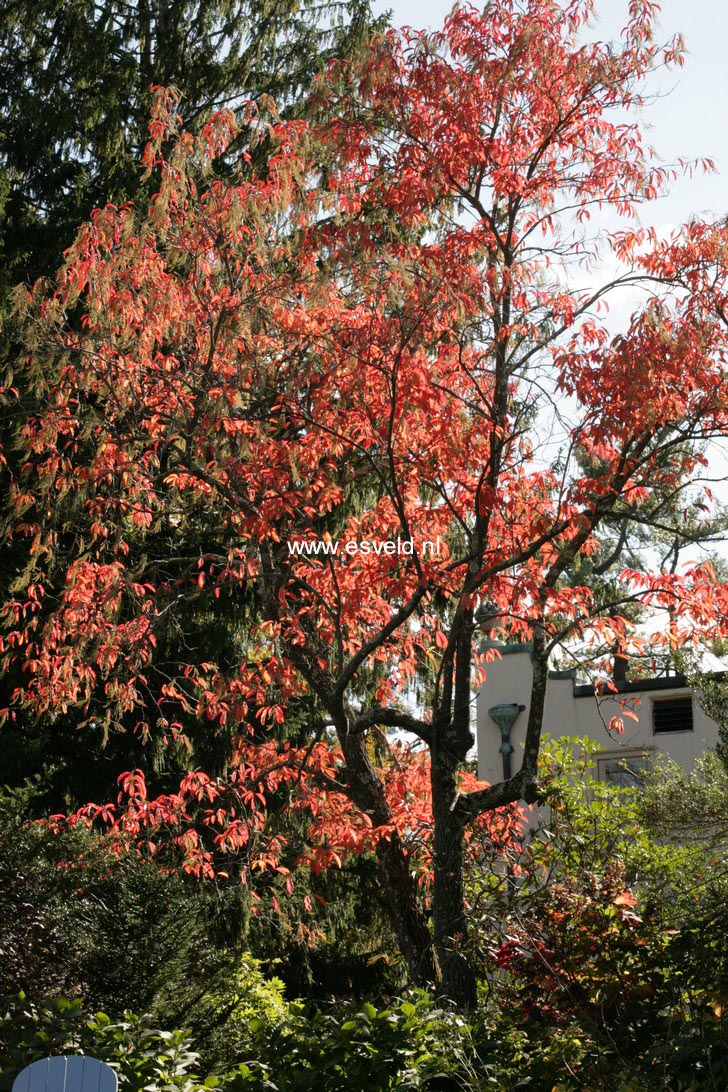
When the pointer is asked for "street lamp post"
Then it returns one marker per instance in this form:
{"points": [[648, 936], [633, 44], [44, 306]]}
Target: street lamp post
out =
{"points": [[505, 717]]}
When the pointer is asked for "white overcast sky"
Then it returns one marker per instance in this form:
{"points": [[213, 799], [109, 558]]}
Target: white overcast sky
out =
{"points": [[689, 121]]}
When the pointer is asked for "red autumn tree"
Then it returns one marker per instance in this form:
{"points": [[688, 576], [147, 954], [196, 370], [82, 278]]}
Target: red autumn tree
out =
{"points": [[383, 341]]}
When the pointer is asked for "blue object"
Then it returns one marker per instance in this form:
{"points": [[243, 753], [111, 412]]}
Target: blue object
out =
{"points": [[75, 1073]]}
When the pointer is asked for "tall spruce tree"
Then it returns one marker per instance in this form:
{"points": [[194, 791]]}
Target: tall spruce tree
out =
{"points": [[75, 79], [75, 104]]}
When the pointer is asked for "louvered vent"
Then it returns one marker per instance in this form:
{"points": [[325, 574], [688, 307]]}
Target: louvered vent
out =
{"points": [[672, 715]]}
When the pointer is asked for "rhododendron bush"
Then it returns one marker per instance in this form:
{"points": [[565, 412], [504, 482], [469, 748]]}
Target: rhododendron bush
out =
{"points": [[372, 339]]}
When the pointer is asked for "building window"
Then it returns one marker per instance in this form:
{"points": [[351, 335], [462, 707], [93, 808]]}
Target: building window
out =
{"points": [[625, 769], [672, 715]]}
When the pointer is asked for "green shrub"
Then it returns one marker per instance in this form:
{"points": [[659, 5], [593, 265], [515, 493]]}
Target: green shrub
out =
{"points": [[143, 1056], [607, 937], [235, 1002], [410, 1045]]}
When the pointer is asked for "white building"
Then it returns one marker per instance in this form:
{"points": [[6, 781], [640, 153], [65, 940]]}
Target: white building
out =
{"points": [[670, 719]]}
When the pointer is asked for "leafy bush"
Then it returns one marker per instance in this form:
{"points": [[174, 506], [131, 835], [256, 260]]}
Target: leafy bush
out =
{"points": [[411, 1045], [235, 1002], [605, 939], [143, 1056]]}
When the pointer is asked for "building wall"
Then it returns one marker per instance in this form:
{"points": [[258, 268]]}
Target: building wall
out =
{"points": [[571, 712]]}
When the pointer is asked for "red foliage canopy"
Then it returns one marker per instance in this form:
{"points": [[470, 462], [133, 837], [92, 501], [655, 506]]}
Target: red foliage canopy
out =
{"points": [[375, 340]]}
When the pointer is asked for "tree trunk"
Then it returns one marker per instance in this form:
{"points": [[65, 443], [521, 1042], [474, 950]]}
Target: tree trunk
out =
{"points": [[448, 900], [405, 909], [400, 886]]}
